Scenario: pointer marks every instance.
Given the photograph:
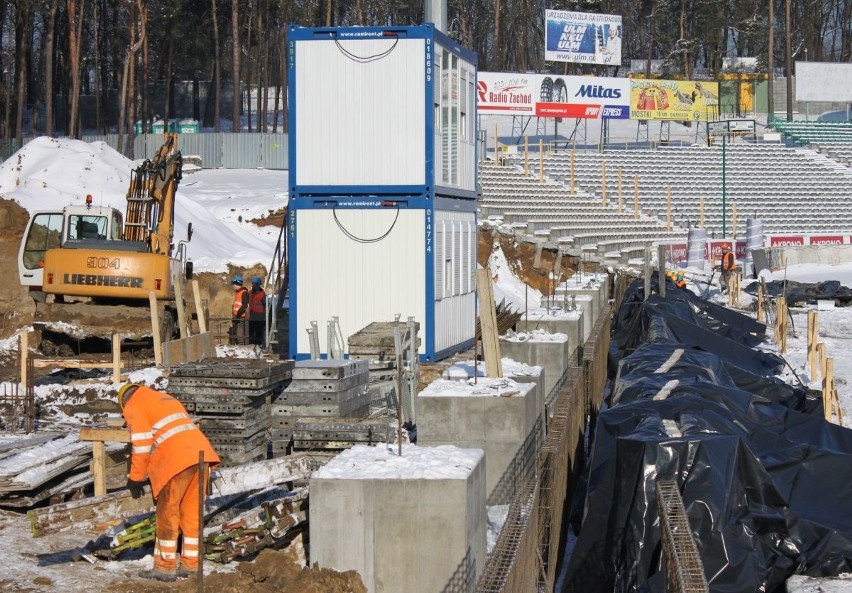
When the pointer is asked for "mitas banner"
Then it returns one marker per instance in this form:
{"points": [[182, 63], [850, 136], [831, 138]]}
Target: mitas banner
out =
{"points": [[546, 95], [680, 100], [582, 37]]}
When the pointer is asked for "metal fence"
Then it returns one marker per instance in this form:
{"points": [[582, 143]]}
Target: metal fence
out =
{"points": [[217, 151]]}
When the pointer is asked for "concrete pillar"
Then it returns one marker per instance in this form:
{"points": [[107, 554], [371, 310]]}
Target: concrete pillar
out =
{"points": [[403, 523], [495, 415]]}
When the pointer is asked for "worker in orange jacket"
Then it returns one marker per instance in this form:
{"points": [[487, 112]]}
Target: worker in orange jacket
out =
{"points": [[728, 265], [239, 311], [165, 450]]}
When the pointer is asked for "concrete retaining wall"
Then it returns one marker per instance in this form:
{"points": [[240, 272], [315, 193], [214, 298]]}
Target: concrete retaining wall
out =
{"points": [[818, 254]]}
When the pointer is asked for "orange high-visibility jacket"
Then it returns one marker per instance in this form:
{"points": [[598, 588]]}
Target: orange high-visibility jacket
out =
{"points": [[164, 439], [240, 306], [728, 261]]}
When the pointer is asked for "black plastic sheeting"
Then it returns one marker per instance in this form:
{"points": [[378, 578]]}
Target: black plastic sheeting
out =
{"points": [[766, 481], [803, 292]]}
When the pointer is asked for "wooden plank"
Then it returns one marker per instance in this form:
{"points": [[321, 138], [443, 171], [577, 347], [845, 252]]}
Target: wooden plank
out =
{"points": [[99, 468], [155, 325], [191, 349], [116, 358], [488, 324], [181, 308], [24, 351], [199, 312], [98, 433], [90, 513], [86, 513]]}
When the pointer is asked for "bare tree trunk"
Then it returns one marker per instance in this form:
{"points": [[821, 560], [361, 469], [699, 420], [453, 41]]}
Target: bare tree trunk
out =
{"points": [[168, 104], [235, 59], [145, 111], [329, 6], [496, 51], [262, 64], [127, 98], [217, 72], [249, 69], [22, 29], [75, 27], [50, 34]]}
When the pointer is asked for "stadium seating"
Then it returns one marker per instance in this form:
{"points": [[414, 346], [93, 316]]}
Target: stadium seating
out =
{"points": [[792, 190]]}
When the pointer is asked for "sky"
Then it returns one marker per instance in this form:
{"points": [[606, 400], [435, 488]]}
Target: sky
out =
{"points": [[219, 203]]}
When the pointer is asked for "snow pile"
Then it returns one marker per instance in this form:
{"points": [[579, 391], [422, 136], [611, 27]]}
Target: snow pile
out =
{"points": [[49, 173]]}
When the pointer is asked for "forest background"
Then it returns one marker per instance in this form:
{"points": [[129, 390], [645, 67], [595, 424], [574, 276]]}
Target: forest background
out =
{"points": [[104, 65]]}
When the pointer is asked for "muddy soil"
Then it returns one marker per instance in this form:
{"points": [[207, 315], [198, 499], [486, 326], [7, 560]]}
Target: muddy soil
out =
{"points": [[521, 256], [273, 571]]}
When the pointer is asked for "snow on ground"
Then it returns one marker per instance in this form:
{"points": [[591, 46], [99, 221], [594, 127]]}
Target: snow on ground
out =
{"points": [[220, 203], [52, 173]]}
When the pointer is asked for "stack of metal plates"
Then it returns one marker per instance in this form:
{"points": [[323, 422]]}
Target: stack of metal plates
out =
{"points": [[231, 398], [325, 401]]}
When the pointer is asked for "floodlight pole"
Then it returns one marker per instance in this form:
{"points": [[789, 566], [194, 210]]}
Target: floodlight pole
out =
{"points": [[770, 99], [789, 61], [724, 193]]}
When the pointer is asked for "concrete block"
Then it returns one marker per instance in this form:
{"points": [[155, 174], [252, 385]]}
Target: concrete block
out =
{"points": [[512, 369], [403, 523], [542, 349], [555, 321], [495, 415]]}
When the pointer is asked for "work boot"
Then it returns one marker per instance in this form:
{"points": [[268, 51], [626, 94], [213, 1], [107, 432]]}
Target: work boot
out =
{"points": [[185, 573], [158, 575]]}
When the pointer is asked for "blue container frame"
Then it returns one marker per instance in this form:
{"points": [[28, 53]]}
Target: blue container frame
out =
{"points": [[424, 197], [425, 31]]}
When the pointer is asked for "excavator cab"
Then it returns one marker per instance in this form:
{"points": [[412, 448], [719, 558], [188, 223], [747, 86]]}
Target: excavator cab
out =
{"points": [[72, 227]]}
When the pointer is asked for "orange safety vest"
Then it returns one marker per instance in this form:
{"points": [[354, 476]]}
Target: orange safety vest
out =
{"points": [[257, 301], [728, 261], [238, 303], [164, 439]]}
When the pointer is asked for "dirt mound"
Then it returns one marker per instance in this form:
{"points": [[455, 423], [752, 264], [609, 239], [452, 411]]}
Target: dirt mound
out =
{"points": [[271, 572], [520, 256], [16, 307]]}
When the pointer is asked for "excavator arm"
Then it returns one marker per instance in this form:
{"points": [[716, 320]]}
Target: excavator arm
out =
{"points": [[151, 199]]}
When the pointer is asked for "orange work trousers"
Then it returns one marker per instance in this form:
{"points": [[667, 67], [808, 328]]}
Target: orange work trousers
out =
{"points": [[177, 514]]}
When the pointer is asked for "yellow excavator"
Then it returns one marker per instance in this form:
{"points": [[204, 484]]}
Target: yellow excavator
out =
{"points": [[90, 270]]}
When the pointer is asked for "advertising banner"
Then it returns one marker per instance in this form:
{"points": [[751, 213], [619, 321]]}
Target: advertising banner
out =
{"points": [[826, 240], [786, 241], [679, 100], [582, 37], [544, 95]]}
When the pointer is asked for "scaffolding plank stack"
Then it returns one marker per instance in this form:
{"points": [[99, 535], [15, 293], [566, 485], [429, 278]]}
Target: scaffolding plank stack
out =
{"points": [[232, 398], [325, 406]]}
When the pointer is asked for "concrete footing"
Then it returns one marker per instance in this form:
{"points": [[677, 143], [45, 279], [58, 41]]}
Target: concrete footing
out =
{"points": [[404, 523], [495, 415], [539, 349], [555, 321]]}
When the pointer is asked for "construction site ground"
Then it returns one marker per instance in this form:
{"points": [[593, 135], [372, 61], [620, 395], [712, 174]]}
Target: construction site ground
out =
{"points": [[46, 564]]}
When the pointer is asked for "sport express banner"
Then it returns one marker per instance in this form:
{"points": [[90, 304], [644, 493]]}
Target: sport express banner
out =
{"points": [[680, 100], [546, 95], [582, 37]]}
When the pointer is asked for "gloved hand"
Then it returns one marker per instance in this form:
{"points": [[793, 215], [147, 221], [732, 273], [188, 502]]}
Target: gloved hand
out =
{"points": [[136, 487]]}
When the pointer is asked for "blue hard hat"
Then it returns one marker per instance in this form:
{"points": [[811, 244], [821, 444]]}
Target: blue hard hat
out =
{"points": [[256, 280], [237, 280]]}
